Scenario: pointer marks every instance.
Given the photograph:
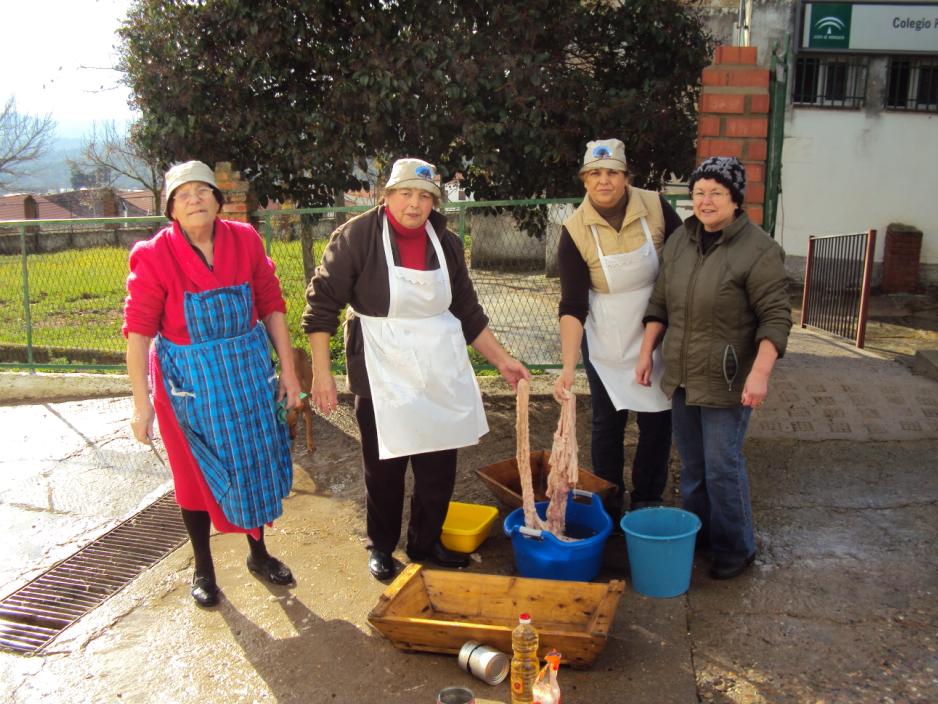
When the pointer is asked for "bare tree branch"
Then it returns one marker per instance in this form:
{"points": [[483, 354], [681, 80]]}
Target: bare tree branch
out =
{"points": [[23, 139], [110, 148]]}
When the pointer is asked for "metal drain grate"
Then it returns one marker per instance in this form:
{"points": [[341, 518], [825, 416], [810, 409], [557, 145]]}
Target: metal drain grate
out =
{"points": [[31, 617]]}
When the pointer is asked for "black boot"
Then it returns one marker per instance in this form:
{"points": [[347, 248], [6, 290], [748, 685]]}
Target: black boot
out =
{"points": [[380, 564], [439, 555], [205, 591], [264, 565]]}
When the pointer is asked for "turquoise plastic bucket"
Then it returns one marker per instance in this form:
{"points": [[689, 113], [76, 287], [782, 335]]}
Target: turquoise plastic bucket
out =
{"points": [[660, 542]]}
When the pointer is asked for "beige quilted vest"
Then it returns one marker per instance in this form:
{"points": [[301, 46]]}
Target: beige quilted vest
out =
{"points": [[630, 236]]}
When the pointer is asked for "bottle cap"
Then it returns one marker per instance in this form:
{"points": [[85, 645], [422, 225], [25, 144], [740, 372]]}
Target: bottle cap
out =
{"points": [[524, 618]]}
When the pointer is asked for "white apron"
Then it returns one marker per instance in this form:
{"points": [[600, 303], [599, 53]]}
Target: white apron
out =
{"points": [[614, 328], [425, 394]]}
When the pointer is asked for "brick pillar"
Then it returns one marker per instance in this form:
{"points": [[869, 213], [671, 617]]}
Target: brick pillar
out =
{"points": [[107, 202], [901, 258], [240, 200], [734, 118], [30, 212], [106, 207]]}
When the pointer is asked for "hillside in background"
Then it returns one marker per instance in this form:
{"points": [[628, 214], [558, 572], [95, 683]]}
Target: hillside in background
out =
{"points": [[51, 172]]}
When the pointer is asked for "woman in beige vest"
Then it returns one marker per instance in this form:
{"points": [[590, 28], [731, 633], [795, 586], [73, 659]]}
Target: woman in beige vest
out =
{"points": [[608, 260]]}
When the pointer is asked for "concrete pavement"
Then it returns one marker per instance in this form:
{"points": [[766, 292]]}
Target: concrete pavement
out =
{"points": [[840, 606]]}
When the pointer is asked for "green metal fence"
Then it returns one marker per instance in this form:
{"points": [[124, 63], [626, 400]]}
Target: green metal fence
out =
{"points": [[778, 92], [62, 289], [62, 281]]}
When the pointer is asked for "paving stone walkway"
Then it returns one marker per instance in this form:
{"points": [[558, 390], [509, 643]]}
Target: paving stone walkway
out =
{"points": [[826, 389]]}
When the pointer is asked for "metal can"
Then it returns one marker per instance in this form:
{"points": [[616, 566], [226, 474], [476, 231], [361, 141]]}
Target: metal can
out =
{"points": [[455, 695], [485, 662]]}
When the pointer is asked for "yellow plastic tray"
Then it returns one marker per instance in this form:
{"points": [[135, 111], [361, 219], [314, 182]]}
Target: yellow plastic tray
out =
{"points": [[467, 526]]}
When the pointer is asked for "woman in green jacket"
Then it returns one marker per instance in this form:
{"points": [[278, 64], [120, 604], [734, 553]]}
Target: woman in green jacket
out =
{"points": [[721, 304]]}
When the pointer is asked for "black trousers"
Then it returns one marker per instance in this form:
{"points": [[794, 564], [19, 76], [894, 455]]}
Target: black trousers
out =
{"points": [[607, 448], [434, 478]]}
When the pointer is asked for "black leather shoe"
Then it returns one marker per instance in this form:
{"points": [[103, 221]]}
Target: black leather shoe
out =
{"points": [[204, 590], [728, 570], [441, 556], [380, 564], [271, 569]]}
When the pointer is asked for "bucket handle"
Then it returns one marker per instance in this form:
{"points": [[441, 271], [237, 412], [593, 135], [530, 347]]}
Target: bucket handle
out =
{"points": [[531, 532], [582, 494], [539, 534]]}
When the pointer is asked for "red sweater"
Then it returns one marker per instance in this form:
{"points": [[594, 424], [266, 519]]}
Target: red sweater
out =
{"points": [[164, 267]]}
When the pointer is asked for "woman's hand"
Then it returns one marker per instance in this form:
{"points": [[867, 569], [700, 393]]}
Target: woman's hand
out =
{"points": [[289, 387], [141, 423], [324, 394], [513, 371], [654, 331], [510, 368], [643, 368], [563, 384], [756, 389]]}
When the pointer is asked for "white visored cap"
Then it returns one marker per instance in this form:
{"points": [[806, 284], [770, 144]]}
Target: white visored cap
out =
{"points": [[413, 173], [604, 154]]}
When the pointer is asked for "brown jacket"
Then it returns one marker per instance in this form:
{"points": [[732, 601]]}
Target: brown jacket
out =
{"points": [[354, 271]]}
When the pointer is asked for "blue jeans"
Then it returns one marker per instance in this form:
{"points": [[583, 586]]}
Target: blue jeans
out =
{"points": [[714, 483], [607, 448]]}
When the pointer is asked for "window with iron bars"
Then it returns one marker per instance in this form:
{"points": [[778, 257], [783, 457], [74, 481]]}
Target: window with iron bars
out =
{"points": [[830, 81], [912, 84]]}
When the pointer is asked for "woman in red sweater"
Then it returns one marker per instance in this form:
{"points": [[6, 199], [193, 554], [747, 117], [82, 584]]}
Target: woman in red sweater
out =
{"points": [[204, 292]]}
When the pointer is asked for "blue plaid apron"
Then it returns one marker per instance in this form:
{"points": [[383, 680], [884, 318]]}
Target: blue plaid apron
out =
{"points": [[223, 390]]}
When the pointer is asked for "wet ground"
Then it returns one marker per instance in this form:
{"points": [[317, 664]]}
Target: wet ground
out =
{"points": [[841, 605]]}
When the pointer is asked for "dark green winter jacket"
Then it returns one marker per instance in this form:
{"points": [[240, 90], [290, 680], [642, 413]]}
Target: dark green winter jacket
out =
{"points": [[717, 307]]}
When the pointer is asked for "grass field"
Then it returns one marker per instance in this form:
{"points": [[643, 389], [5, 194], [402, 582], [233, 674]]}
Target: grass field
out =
{"points": [[76, 305], [76, 298]]}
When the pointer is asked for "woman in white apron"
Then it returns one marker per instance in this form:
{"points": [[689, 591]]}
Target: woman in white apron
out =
{"points": [[608, 260], [412, 310]]}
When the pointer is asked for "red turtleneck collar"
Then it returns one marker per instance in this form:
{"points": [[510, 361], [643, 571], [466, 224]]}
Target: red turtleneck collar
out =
{"points": [[411, 243]]}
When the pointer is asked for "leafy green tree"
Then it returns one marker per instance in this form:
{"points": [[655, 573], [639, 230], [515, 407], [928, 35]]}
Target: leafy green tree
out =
{"points": [[80, 176], [563, 72], [301, 94]]}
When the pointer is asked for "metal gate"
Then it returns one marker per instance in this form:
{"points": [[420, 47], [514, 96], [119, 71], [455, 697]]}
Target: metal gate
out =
{"points": [[837, 284]]}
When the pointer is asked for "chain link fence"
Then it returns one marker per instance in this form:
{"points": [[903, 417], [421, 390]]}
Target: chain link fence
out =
{"points": [[72, 274]]}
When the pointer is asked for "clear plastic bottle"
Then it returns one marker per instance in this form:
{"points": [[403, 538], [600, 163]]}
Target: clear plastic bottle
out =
{"points": [[524, 662], [546, 689]]}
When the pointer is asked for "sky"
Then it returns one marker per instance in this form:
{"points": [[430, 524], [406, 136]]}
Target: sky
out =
{"points": [[57, 57]]}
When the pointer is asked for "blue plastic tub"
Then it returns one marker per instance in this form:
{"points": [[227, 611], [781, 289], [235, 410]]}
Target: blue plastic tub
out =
{"points": [[540, 555], [660, 542]]}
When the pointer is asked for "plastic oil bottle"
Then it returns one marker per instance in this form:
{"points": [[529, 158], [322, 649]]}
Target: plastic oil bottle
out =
{"points": [[524, 662]]}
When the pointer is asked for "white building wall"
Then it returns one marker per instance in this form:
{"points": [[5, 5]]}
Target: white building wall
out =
{"points": [[847, 171]]}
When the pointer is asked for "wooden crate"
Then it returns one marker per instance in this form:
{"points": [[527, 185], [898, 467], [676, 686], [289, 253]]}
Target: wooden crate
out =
{"points": [[437, 611], [503, 481]]}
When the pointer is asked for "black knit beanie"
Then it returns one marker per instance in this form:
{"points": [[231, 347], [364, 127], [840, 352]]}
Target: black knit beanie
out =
{"points": [[726, 170]]}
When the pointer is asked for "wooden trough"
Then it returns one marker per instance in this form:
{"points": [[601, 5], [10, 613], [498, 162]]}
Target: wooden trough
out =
{"points": [[437, 611], [503, 481]]}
